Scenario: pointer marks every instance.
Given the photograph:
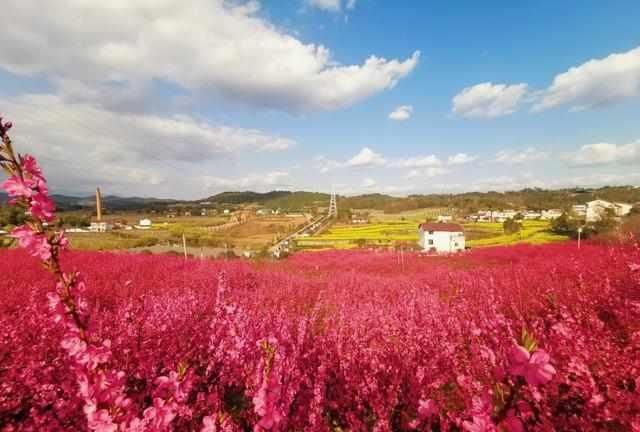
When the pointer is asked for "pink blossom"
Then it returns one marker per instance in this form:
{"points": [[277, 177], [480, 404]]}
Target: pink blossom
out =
{"points": [[16, 187], [35, 243], [427, 408], [31, 168], [479, 423], [512, 423], [160, 415], [209, 424], [99, 420], [42, 207], [534, 368]]}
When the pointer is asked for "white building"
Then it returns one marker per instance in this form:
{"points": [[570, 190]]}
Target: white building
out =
{"points": [[144, 224], [579, 209], [531, 215], [441, 237], [596, 209], [444, 218], [550, 214], [100, 227]]}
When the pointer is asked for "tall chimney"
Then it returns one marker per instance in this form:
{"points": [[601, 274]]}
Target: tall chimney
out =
{"points": [[98, 205]]}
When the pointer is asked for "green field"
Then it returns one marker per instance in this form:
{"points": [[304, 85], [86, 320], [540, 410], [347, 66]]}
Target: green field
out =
{"points": [[389, 232]]}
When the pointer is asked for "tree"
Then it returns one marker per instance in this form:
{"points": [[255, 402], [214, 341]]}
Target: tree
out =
{"points": [[564, 225], [511, 226]]}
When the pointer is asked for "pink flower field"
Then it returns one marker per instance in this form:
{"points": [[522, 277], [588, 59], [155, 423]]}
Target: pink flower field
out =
{"points": [[515, 338], [512, 339]]}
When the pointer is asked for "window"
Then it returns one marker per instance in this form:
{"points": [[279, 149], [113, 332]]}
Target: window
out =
{"points": [[430, 232], [430, 241]]}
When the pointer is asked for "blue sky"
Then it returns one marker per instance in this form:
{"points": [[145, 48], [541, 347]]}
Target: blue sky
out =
{"points": [[186, 99]]}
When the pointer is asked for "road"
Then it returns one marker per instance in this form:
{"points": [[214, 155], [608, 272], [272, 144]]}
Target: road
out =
{"points": [[313, 226]]}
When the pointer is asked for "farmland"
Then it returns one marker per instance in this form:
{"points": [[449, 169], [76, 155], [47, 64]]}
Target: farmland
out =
{"points": [[200, 233], [337, 340], [385, 231]]}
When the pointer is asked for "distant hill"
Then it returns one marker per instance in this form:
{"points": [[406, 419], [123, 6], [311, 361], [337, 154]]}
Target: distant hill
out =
{"points": [[111, 202], [530, 198], [246, 197], [274, 199]]}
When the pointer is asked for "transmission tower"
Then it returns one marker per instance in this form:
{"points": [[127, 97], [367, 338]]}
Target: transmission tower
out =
{"points": [[333, 206]]}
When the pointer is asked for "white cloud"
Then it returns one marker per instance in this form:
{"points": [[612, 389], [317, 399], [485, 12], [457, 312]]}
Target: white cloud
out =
{"points": [[366, 157], [328, 5], [420, 166], [427, 172], [332, 5], [506, 183], [487, 100], [512, 157], [605, 153], [208, 47], [82, 145], [251, 181], [368, 183], [418, 162], [461, 159], [598, 82], [402, 112]]}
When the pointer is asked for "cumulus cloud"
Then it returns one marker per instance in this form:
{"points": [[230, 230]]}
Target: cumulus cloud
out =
{"points": [[418, 162], [250, 181], [366, 157], [212, 47], [605, 153], [81, 144], [512, 157], [419, 166], [596, 83], [368, 183], [332, 5], [403, 112], [427, 172], [461, 159], [488, 100]]}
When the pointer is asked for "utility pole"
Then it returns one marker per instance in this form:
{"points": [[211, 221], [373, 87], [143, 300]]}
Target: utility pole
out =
{"points": [[579, 235]]}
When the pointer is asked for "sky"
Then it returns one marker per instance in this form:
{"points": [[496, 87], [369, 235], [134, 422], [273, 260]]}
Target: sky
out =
{"points": [[176, 99]]}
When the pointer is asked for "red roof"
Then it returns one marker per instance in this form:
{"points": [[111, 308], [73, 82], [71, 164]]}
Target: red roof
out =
{"points": [[447, 227]]}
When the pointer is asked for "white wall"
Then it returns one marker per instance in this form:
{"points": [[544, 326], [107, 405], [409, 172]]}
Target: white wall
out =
{"points": [[442, 241]]}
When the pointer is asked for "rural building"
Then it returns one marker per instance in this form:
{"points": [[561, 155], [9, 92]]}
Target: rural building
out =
{"points": [[264, 212], [144, 224], [550, 214], [531, 215], [594, 210], [445, 218], [598, 208], [441, 237], [579, 209], [493, 215], [359, 219], [100, 227]]}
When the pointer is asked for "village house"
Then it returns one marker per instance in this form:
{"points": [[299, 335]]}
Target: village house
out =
{"points": [[531, 215], [100, 226], [441, 237], [550, 214], [598, 208], [144, 224], [595, 210]]}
